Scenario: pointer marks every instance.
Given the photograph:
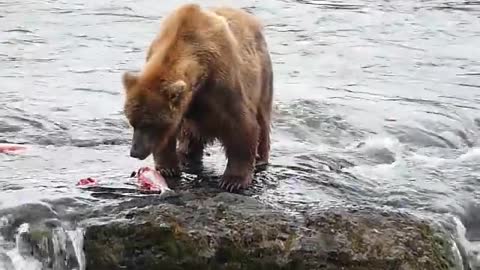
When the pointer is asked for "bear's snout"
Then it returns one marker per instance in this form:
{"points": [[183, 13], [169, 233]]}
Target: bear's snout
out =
{"points": [[141, 155], [140, 148]]}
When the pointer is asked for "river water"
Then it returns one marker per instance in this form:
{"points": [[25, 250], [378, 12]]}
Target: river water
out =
{"points": [[376, 103]]}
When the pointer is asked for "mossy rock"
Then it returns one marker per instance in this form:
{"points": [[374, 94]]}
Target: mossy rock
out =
{"points": [[230, 231]]}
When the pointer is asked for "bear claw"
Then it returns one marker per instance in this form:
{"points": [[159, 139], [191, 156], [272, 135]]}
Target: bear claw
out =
{"points": [[235, 183], [169, 172]]}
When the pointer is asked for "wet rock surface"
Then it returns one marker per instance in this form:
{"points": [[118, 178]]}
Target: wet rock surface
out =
{"points": [[206, 230], [40, 235]]}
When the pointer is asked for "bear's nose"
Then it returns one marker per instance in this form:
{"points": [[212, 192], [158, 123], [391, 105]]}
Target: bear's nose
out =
{"points": [[134, 153], [139, 153]]}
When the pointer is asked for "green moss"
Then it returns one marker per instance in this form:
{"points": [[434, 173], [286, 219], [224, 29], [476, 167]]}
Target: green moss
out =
{"points": [[205, 237], [39, 235], [290, 242], [106, 250], [356, 240]]}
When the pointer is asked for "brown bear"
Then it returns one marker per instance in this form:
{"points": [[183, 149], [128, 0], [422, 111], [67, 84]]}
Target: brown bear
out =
{"points": [[208, 76]]}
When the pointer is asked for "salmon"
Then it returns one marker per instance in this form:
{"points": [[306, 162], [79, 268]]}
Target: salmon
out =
{"points": [[9, 148]]}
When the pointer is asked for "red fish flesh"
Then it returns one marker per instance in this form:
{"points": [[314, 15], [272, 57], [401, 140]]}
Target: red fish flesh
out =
{"points": [[11, 148], [85, 182], [151, 180]]}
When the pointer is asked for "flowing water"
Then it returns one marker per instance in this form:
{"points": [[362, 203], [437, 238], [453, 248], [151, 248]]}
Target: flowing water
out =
{"points": [[376, 103]]}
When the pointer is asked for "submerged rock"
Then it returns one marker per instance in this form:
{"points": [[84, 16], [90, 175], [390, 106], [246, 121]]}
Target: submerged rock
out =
{"points": [[229, 231]]}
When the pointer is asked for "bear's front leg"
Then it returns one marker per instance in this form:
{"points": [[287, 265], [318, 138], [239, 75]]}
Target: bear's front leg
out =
{"points": [[166, 160], [240, 145]]}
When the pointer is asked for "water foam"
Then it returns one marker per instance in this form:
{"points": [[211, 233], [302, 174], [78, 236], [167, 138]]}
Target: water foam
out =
{"points": [[18, 255], [382, 142], [386, 154], [76, 237], [383, 149], [472, 248], [472, 154]]}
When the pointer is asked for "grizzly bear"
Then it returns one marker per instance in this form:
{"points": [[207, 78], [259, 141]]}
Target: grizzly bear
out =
{"points": [[208, 76]]}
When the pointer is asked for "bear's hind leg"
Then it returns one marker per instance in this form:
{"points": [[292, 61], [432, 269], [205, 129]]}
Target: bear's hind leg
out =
{"points": [[190, 146], [190, 152], [264, 113], [166, 160], [240, 142], [263, 147]]}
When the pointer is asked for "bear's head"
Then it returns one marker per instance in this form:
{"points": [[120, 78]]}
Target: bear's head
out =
{"points": [[154, 109]]}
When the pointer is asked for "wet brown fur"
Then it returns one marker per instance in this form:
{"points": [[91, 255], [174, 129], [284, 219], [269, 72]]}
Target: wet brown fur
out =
{"points": [[208, 76]]}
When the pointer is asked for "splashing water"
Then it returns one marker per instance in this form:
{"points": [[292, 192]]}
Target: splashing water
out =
{"points": [[19, 258]]}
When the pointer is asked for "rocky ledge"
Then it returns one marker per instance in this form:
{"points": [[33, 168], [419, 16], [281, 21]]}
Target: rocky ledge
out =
{"points": [[230, 231]]}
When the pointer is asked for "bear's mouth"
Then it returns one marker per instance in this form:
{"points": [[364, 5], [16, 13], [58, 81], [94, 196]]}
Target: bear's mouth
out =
{"points": [[143, 157]]}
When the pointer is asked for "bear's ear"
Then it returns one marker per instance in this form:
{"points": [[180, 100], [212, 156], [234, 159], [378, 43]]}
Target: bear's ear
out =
{"points": [[129, 79], [176, 92]]}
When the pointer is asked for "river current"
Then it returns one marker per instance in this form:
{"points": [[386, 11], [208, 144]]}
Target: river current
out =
{"points": [[376, 103]]}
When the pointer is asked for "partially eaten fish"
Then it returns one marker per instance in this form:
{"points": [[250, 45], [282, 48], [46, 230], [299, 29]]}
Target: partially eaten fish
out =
{"points": [[8, 148], [87, 182], [151, 180]]}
